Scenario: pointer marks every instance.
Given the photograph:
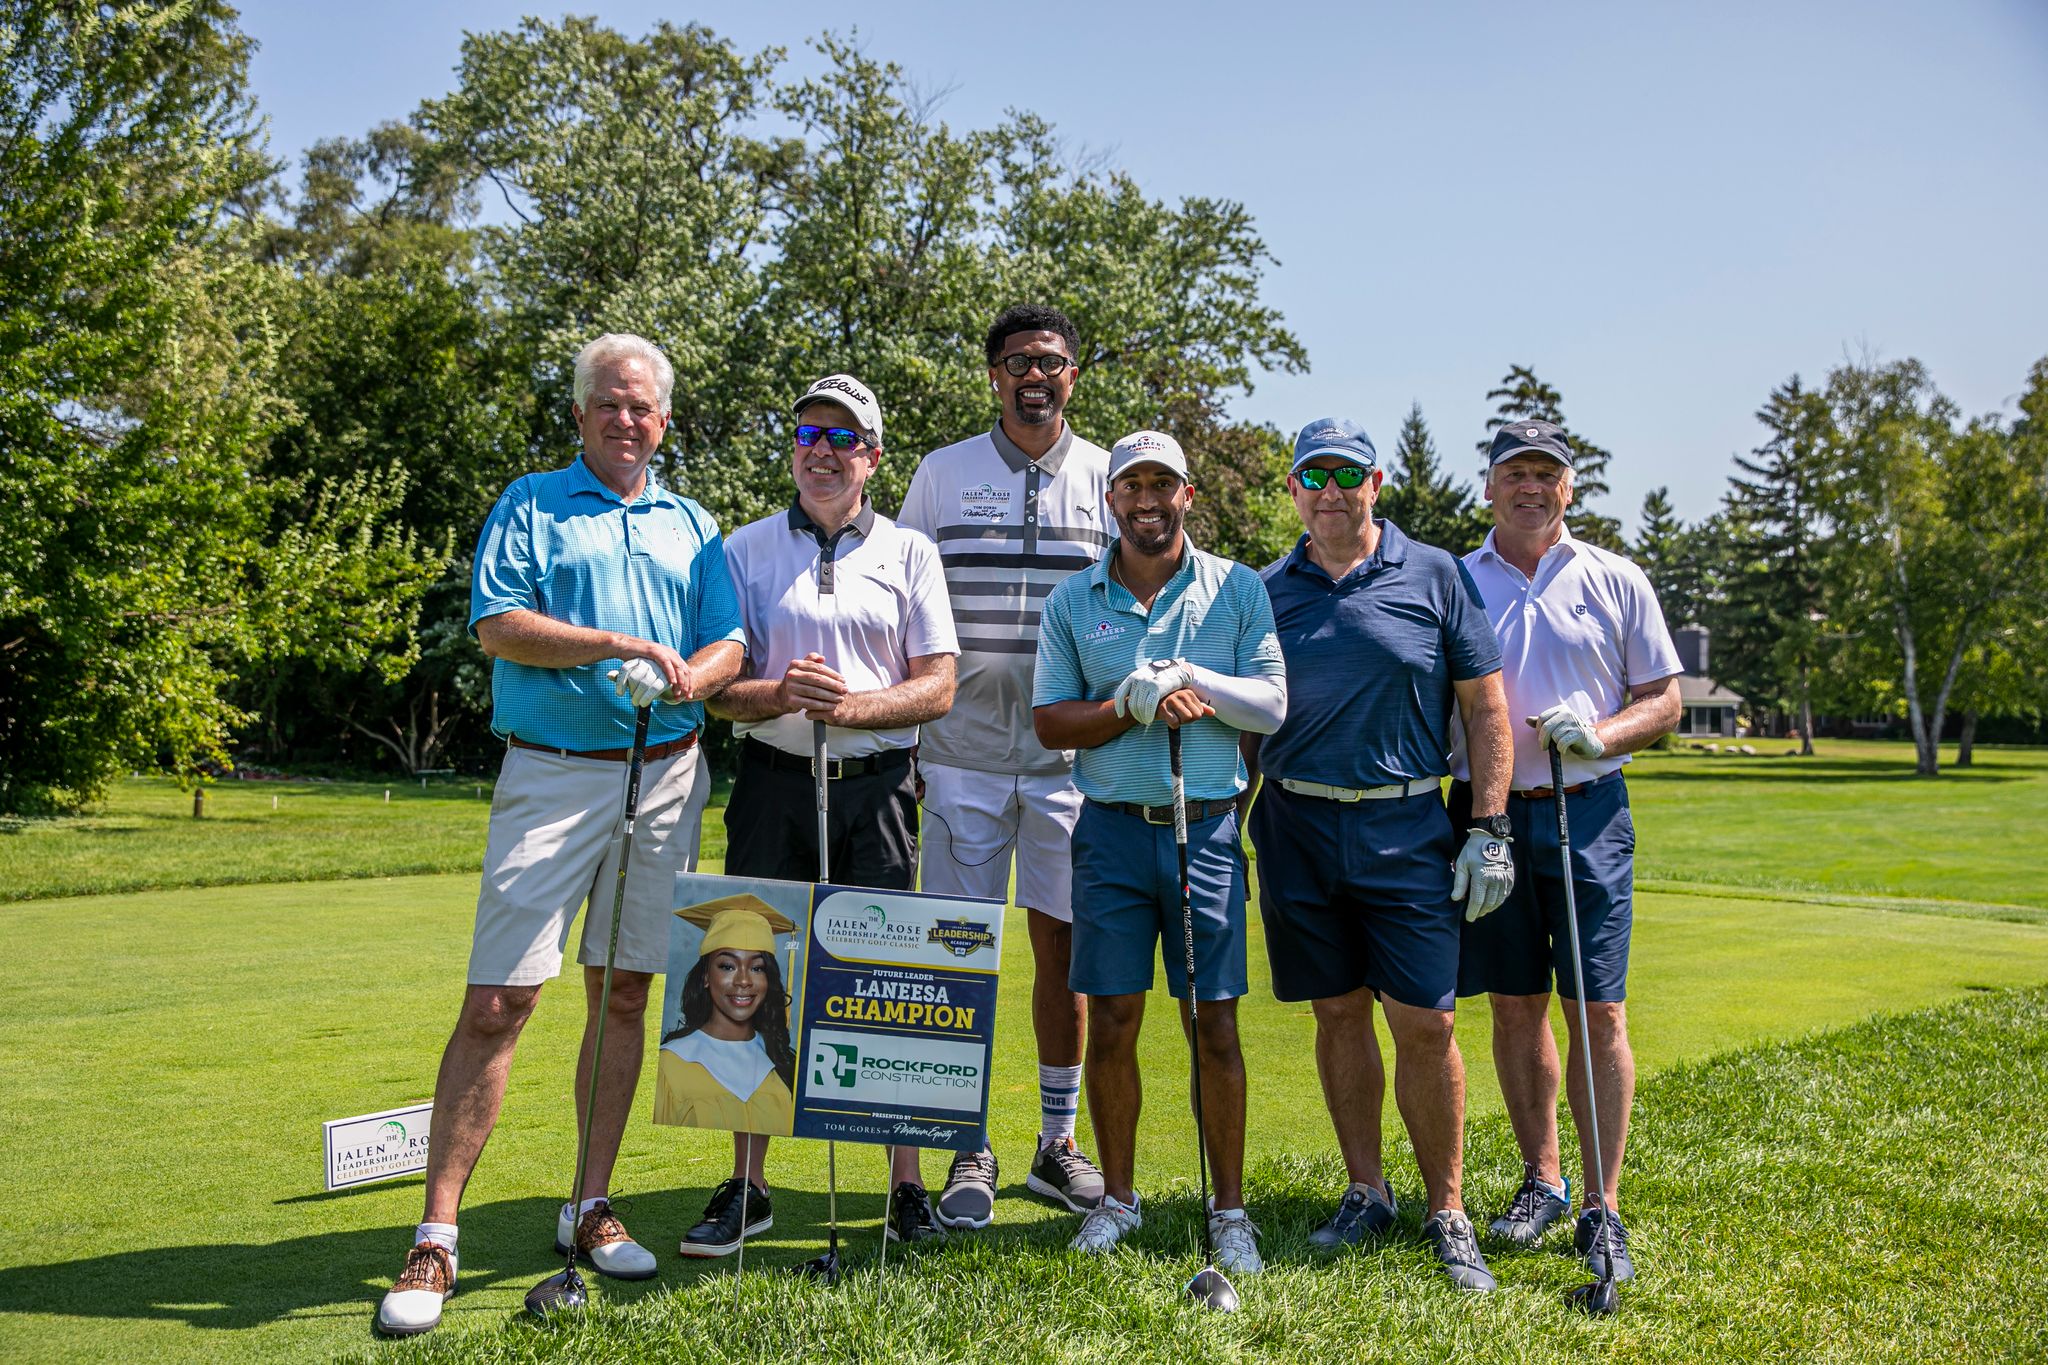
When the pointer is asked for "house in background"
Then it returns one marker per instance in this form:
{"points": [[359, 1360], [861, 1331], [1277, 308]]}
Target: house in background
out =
{"points": [[1709, 708]]}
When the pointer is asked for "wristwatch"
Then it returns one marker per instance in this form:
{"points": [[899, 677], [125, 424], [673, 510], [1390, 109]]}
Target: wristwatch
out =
{"points": [[1495, 825]]}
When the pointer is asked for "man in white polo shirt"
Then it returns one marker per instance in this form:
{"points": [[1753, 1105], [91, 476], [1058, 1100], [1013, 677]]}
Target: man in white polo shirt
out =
{"points": [[1585, 651], [847, 622], [1014, 510]]}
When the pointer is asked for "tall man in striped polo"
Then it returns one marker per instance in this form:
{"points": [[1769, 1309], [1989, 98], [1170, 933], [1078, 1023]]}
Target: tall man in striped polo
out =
{"points": [[1159, 631], [1014, 510], [579, 571], [1585, 651]]}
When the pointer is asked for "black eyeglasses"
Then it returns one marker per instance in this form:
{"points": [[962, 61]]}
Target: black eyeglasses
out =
{"points": [[1048, 365], [838, 437], [1347, 476]]}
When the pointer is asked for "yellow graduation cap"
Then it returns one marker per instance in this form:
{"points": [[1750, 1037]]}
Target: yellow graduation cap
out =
{"points": [[743, 923]]}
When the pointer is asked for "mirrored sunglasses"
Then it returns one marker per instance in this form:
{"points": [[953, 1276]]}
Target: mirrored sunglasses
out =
{"points": [[1347, 476], [838, 437]]}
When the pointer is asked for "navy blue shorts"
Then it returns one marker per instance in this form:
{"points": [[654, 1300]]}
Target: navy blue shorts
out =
{"points": [[1127, 899], [1518, 948], [1357, 893]]}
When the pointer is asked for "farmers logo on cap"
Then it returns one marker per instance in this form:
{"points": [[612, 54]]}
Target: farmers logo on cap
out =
{"points": [[1146, 441], [960, 937]]}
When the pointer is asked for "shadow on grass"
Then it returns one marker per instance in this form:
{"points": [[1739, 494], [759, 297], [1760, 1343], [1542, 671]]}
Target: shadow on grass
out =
{"points": [[1760, 770]]}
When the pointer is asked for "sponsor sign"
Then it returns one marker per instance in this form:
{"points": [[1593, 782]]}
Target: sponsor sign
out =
{"points": [[380, 1146]]}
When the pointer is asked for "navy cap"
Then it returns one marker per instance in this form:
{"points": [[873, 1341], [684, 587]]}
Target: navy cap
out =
{"points": [[1338, 436], [1530, 436]]}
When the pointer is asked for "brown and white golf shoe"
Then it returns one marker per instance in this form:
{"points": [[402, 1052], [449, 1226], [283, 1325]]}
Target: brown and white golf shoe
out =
{"points": [[603, 1242], [413, 1304]]}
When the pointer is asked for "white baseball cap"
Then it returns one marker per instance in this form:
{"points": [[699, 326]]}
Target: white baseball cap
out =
{"points": [[1148, 447], [849, 393]]}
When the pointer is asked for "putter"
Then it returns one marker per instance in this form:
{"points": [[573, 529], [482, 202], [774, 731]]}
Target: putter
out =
{"points": [[1210, 1287], [564, 1291], [1599, 1298], [826, 1268]]}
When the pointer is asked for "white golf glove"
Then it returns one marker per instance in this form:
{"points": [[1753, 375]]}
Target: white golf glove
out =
{"points": [[1139, 695], [1566, 731], [643, 681], [1483, 868]]}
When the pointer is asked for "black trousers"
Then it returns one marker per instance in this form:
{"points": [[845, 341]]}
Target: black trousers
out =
{"points": [[771, 826]]}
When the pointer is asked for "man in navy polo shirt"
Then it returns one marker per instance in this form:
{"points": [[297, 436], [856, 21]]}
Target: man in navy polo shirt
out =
{"points": [[1361, 872], [579, 571], [1585, 652], [1158, 631]]}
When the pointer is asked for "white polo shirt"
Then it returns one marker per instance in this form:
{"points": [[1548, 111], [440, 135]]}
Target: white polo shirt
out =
{"points": [[885, 606], [1583, 631]]}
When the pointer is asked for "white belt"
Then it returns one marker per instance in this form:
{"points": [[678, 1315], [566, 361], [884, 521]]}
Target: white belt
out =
{"points": [[1387, 793]]}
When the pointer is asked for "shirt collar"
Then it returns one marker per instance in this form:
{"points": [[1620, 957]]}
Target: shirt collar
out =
{"points": [[1392, 550], [1014, 456], [863, 522], [583, 479], [1098, 573], [1566, 541]]}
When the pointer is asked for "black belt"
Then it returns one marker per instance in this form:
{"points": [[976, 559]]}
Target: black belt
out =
{"points": [[652, 754], [1163, 815], [782, 761]]}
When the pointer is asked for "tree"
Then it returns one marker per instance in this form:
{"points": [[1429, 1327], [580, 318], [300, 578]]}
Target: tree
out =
{"points": [[1422, 499], [1662, 551], [140, 562], [1520, 395]]}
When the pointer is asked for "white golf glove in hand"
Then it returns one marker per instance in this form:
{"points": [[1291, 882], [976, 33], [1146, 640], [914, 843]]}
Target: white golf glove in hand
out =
{"points": [[1566, 731], [643, 681], [1139, 695], [1483, 868]]}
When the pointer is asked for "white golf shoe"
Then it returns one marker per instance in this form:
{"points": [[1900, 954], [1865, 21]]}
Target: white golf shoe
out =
{"points": [[1105, 1225], [602, 1240], [1235, 1238], [413, 1304]]}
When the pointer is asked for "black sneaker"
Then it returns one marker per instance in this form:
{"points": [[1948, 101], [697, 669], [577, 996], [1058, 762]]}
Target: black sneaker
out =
{"points": [[1596, 1246], [969, 1199], [718, 1232], [910, 1215], [1064, 1175], [1363, 1212], [1531, 1213], [1451, 1238]]}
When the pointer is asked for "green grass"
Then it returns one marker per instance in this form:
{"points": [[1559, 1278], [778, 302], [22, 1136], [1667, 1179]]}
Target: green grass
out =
{"points": [[168, 1057]]}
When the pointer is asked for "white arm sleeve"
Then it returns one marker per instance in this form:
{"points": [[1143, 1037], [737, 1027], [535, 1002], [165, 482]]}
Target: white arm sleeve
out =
{"points": [[1254, 704]]}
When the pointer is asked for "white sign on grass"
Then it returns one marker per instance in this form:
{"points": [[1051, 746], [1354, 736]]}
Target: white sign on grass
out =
{"points": [[378, 1146]]}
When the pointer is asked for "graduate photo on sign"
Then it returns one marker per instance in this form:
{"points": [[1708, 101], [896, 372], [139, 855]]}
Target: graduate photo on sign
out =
{"points": [[727, 1059]]}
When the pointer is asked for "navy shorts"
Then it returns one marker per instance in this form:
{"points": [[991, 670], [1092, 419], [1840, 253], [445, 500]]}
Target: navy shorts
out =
{"points": [[1357, 893], [1127, 899], [1518, 948]]}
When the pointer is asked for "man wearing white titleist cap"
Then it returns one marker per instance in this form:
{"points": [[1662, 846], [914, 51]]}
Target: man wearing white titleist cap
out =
{"points": [[1014, 510]]}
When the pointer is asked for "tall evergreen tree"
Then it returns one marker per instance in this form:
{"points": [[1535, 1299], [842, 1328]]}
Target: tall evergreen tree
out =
{"points": [[1664, 552], [1423, 499], [1522, 395]]}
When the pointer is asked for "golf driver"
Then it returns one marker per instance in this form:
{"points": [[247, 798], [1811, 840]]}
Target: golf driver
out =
{"points": [[1599, 1298], [564, 1289], [1210, 1287], [826, 1267]]}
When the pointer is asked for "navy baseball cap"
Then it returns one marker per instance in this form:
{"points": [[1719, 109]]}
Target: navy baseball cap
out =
{"points": [[1530, 437], [1338, 436]]}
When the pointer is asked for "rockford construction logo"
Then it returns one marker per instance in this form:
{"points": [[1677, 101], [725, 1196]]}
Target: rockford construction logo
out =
{"points": [[843, 1066], [961, 937], [880, 1072]]}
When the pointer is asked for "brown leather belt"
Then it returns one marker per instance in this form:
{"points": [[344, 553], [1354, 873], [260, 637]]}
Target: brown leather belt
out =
{"points": [[653, 754], [1163, 815], [1546, 793]]}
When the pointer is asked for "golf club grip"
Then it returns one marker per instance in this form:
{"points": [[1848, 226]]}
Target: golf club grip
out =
{"points": [[1563, 825], [1180, 796]]}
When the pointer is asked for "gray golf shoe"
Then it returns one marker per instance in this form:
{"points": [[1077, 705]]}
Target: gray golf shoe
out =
{"points": [[1457, 1248], [1588, 1240], [969, 1199], [1531, 1213], [1363, 1212], [1061, 1173]]}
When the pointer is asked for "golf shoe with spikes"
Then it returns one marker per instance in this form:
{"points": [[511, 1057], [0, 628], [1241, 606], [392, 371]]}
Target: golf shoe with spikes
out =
{"points": [[603, 1243], [413, 1304], [1589, 1241], [1457, 1249], [1534, 1208]]}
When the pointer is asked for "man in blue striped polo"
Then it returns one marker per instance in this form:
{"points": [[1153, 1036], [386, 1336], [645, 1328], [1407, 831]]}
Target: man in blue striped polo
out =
{"points": [[579, 571], [1158, 631]]}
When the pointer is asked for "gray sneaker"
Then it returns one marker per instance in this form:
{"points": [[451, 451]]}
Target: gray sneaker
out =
{"points": [[1531, 1213], [1451, 1238], [1062, 1174], [1363, 1212], [969, 1199]]}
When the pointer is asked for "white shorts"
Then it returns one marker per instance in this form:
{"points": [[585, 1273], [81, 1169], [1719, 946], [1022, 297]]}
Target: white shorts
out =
{"points": [[553, 847], [974, 819]]}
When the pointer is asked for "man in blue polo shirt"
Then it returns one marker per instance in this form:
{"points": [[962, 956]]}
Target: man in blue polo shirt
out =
{"points": [[579, 572], [1361, 872], [1159, 631], [1586, 654]]}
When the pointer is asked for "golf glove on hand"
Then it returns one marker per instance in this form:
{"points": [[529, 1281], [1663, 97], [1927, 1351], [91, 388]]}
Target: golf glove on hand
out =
{"points": [[1566, 731], [1483, 868], [1139, 695], [643, 681]]}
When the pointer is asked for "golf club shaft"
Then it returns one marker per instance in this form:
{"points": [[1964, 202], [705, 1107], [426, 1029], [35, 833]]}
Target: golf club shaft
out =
{"points": [[1571, 919], [819, 758], [1187, 933], [641, 715]]}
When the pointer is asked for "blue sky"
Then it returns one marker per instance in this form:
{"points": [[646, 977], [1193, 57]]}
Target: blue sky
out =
{"points": [[1665, 210]]}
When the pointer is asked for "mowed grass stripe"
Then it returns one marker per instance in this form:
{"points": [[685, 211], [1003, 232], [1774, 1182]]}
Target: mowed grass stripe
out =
{"points": [[168, 1058]]}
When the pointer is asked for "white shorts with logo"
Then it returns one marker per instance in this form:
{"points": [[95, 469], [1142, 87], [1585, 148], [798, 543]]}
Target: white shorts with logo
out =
{"points": [[554, 846], [973, 821]]}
